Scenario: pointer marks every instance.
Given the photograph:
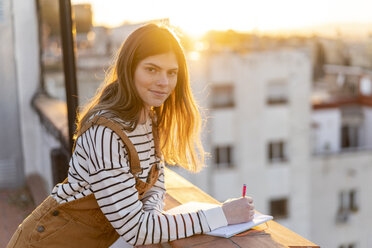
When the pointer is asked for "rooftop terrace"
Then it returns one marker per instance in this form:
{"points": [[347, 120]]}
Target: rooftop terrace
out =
{"points": [[53, 116]]}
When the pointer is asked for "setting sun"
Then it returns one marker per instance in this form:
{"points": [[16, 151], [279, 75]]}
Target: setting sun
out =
{"points": [[196, 17]]}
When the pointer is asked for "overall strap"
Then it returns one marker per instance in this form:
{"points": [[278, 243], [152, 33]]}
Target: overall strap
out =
{"points": [[134, 162], [155, 134]]}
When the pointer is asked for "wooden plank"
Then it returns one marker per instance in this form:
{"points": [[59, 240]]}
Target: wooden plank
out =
{"points": [[287, 237], [181, 191]]}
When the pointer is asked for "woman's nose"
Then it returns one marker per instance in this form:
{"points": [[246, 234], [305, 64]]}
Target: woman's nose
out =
{"points": [[163, 79]]}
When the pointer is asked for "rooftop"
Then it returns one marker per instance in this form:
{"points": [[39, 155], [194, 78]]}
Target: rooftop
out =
{"points": [[53, 116], [342, 85]]}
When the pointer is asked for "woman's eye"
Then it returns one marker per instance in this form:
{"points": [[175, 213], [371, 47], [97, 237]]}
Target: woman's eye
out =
{"points": [[151, 69], [173, 73]]}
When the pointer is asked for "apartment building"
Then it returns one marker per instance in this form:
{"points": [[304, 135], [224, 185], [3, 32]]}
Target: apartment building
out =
{"points": [[303, 148], [341, 157], [258, 110]]}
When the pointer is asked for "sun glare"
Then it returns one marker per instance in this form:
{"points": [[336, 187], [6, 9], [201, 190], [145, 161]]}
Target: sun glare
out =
{"points": [[196, 17], [194, 55]]}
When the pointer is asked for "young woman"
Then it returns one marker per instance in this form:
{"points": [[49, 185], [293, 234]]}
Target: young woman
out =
{"points": [[143, 115]]}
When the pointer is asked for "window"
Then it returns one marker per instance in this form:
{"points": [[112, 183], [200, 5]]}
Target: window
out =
{"points": [[223, 156], [366, 86], [351, 245], [279, 208], [51, 49], [349, 136], [222, 96], [277, 92], [352, 119], [353, 206], [348, 200], [277, 152], [347, 204]]}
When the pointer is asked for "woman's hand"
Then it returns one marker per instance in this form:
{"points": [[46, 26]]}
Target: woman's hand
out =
{"points": [[238, 210]]}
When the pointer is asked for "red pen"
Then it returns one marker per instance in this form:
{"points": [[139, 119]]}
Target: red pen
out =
{"points": [[244, 189]]}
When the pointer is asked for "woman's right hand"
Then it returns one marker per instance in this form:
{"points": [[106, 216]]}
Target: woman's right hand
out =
{"points": [[238, 210]]}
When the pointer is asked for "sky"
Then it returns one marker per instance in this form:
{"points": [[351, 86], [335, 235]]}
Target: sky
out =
{"points": [[198, 16]]}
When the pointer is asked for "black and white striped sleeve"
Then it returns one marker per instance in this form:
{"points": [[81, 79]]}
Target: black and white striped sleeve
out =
{"points": [[153, 199], [114, 188]]}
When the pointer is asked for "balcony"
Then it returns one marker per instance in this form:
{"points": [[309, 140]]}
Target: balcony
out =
{"points": [[53, 116]]}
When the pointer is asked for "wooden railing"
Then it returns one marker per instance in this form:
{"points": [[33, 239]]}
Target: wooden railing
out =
{"points": [[180, 191]]}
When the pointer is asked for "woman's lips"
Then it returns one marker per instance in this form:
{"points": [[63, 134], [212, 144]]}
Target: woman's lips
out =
{"points": [[158, 93]]}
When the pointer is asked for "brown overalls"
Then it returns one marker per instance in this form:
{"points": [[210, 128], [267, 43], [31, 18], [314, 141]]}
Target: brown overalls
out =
{"points": [[79, 223]]}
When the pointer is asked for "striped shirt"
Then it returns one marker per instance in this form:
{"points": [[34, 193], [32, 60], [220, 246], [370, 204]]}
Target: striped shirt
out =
{"points": [[100, 165]]}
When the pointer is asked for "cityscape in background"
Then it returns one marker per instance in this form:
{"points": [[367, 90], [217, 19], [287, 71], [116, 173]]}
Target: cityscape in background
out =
{"points": [[290, 116]]}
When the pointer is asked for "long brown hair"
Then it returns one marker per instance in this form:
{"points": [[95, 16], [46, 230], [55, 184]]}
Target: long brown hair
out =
{"points": [[178, 119]]}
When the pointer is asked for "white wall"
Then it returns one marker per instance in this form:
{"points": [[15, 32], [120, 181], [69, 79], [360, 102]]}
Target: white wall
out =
{"points": [[276, 123], [222, 122], [367, 111], [327, 130], [331, 174], [11, 158], [27, 57], [225, 185]]}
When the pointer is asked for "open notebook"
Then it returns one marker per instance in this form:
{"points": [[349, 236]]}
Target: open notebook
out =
{"points": [[226, 231]]}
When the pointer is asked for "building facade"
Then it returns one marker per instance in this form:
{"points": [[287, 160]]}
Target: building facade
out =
{"points": [[303, 148], [258, 129]]}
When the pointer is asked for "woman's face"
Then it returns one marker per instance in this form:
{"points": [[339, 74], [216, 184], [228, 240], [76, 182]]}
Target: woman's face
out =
{"points": [[155, 78]]}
